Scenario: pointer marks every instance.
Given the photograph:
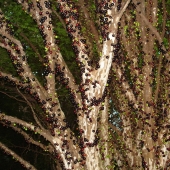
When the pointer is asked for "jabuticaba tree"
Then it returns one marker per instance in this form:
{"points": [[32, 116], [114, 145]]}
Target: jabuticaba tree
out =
{"points": [[130, 75]]}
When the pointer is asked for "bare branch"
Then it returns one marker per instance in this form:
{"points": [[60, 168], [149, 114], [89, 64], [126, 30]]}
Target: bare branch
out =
{"points": [[59, 17], [12, 97], [161, 56], [158, 76], [124, 8], [23, 162], [34, 114], [32, 46], [125, 85], [104, 132], [114, 128]]}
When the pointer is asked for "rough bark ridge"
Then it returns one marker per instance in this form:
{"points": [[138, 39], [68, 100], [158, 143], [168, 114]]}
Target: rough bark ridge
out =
{"points": [[142, 140]]}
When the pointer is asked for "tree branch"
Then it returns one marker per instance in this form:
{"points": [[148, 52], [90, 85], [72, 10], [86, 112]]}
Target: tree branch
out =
{"points": [[104, 132], [12, 97], [60, 19], [13, 80], [124, 8], [114, 128], [28, 138], [152, 28], [34, 87], [125, 85], [43, 20], [52, 50], [26, 125], [160, 40], [90, 24], [23, 162], [107, 51], [70, 14], [129, 41], [31, 45], [18, 57], [34, 114]]}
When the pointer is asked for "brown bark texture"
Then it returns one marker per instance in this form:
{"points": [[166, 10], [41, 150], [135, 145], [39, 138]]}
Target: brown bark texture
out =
{"points": [[128, 73]]}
